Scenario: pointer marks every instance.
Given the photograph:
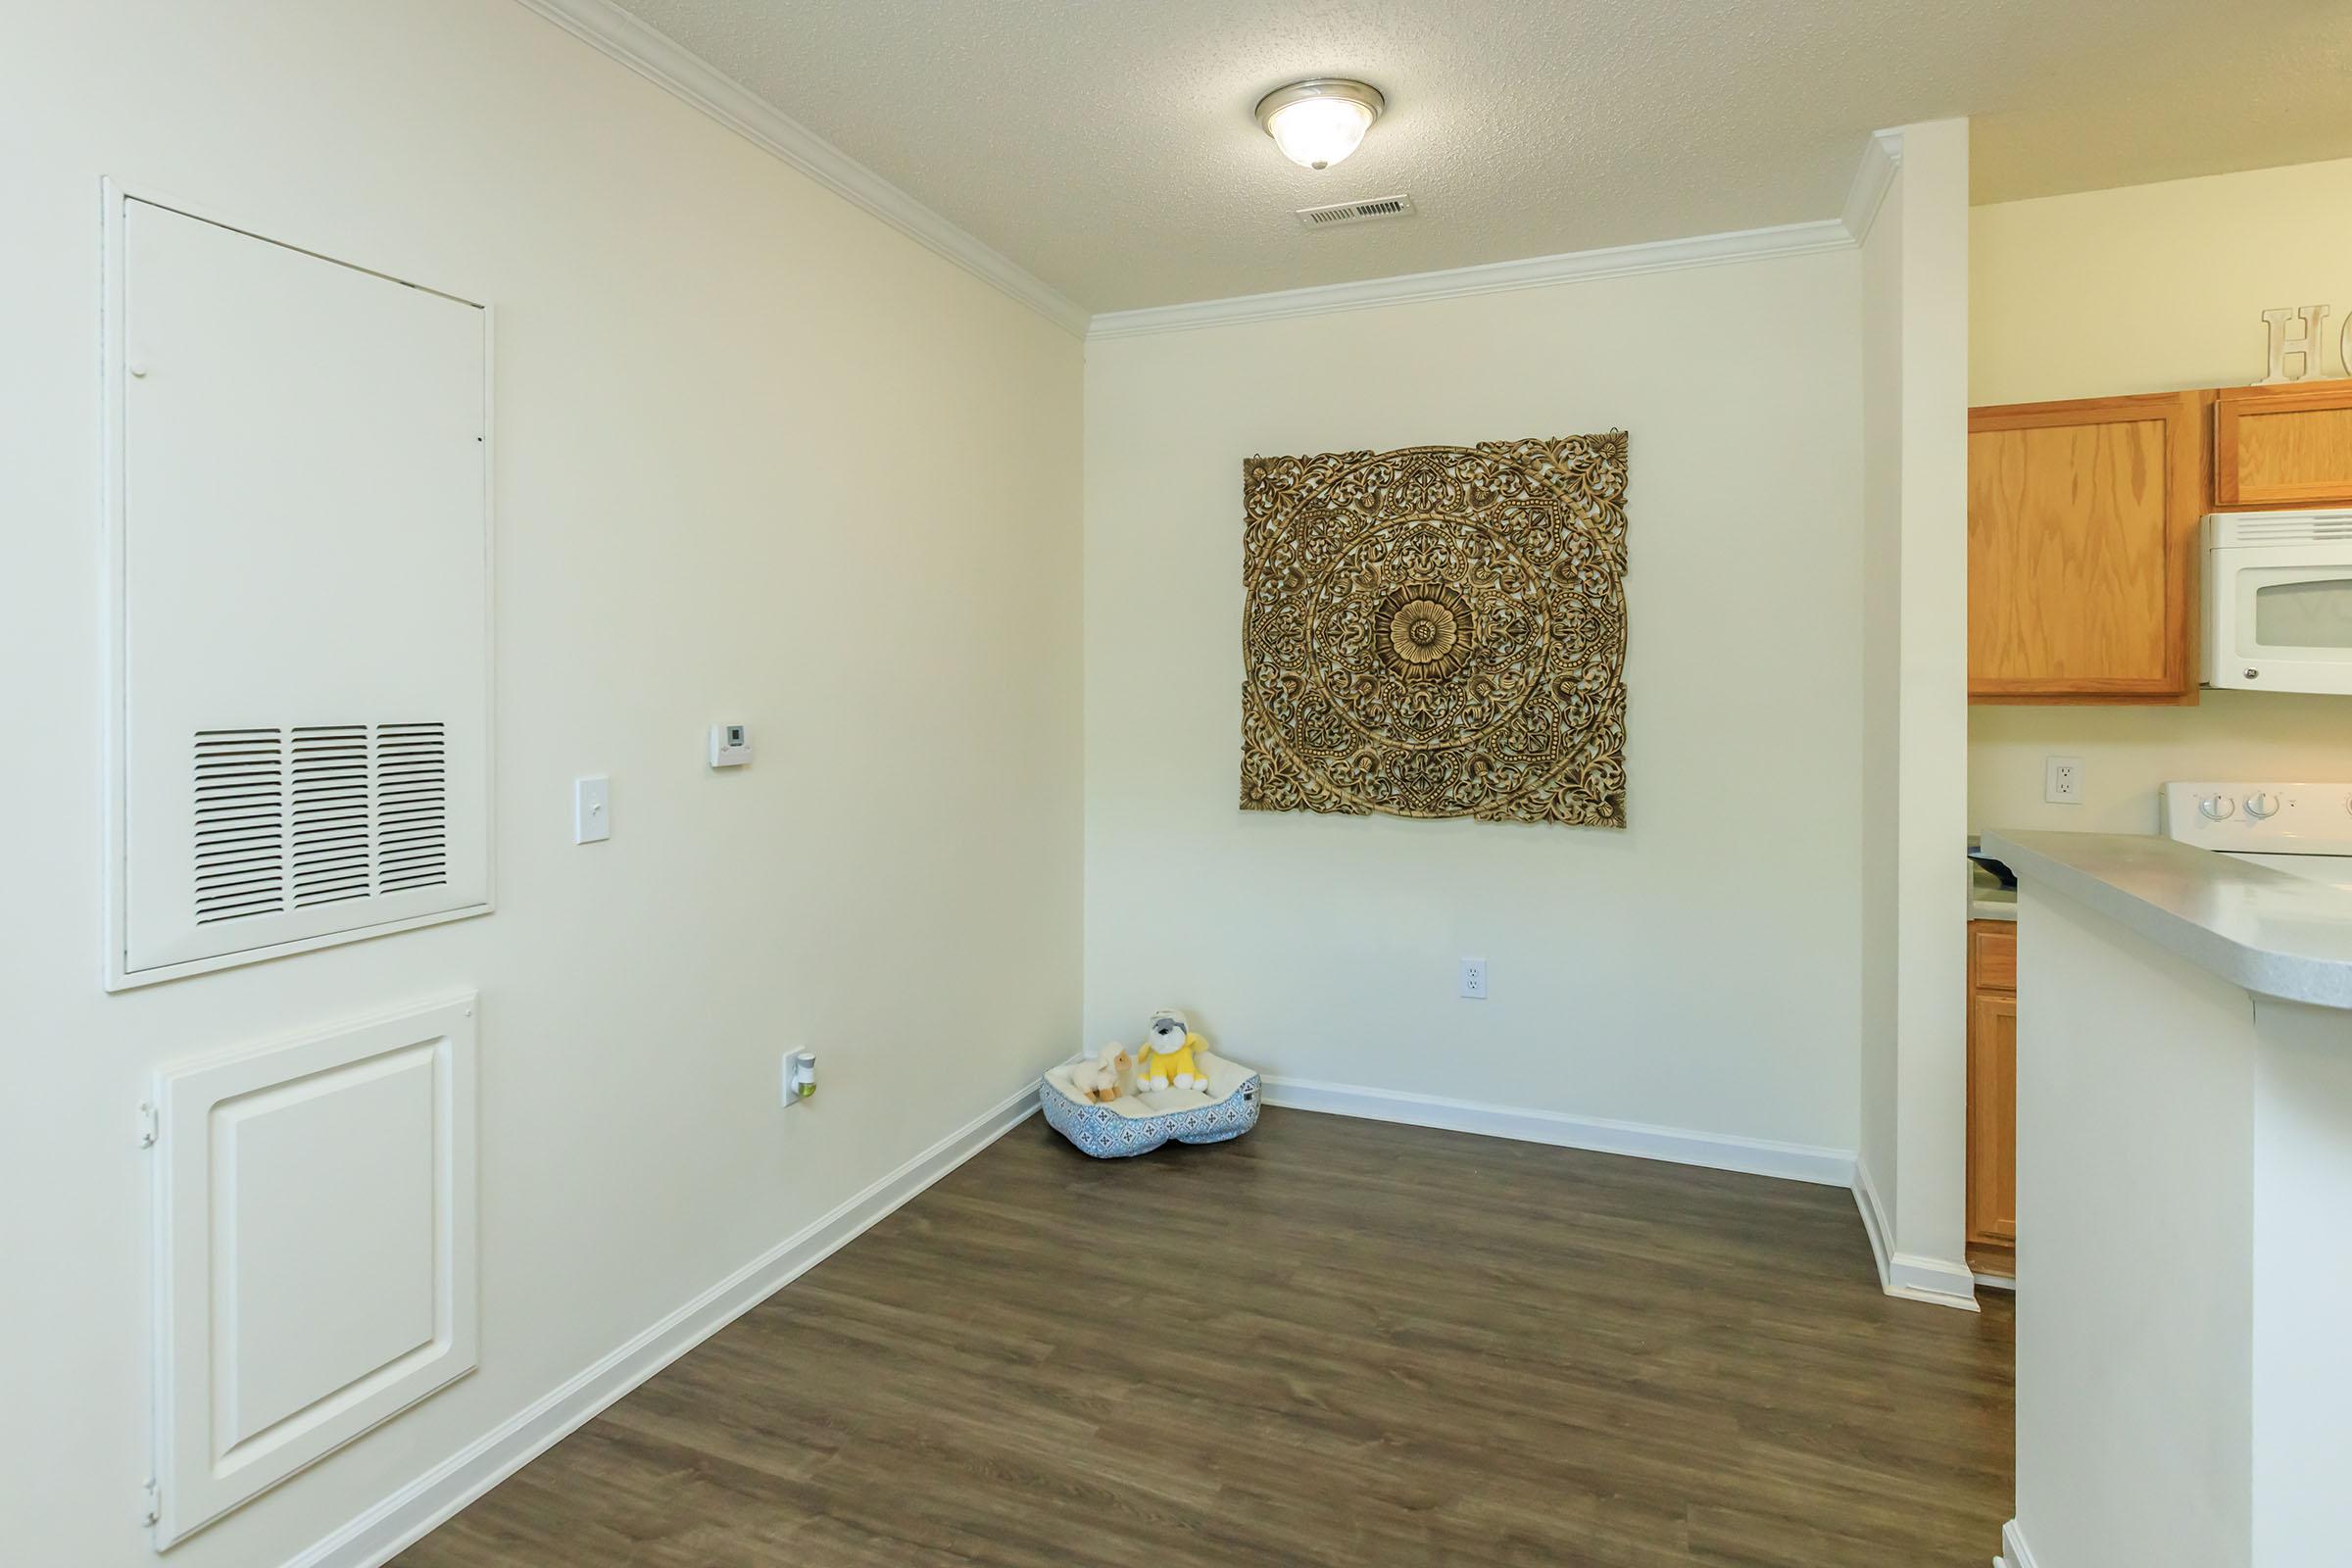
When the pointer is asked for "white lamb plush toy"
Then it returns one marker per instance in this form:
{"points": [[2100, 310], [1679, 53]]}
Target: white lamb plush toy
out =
{"points": [[1103, 1077]]}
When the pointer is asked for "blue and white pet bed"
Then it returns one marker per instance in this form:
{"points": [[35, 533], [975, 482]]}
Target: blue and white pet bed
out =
{"points": [[1136, 1124]]}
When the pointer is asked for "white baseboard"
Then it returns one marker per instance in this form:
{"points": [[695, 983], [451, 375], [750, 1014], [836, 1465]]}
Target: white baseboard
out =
{"points": [[1908, 1275], [2013, 1549], [1874, 1216], [1755, 1157], [402, 1519], [1933, 1279]]}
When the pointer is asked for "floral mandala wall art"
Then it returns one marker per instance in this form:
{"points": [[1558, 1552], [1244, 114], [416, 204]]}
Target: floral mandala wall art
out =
{"points": [[1436, 631]]}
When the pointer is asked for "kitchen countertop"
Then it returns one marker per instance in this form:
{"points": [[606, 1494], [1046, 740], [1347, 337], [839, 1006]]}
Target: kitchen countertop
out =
{"points": [[2272, 933], [1987, 899]]}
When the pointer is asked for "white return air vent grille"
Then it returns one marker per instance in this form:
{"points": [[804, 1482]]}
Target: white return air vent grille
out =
{"points": [[1365, 211], [298, 487], [316, 814]]}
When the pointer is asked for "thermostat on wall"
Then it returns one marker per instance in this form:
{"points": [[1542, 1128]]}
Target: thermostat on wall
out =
{"points": [[731, 745]]}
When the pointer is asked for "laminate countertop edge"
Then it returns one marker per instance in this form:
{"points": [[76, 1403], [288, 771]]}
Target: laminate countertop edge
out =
{"points": [[2265, 931]]}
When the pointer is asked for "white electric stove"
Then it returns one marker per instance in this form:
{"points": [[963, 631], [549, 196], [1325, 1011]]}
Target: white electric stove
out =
{"points": [[2302, 829]]}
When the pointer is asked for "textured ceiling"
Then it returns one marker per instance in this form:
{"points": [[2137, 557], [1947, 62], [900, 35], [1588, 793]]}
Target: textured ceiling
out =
{"points": [[1107, 145]]}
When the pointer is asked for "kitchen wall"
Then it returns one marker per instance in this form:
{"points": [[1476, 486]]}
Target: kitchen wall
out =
{"points": [[761, 458], [2149, 290], [1699, 969]]}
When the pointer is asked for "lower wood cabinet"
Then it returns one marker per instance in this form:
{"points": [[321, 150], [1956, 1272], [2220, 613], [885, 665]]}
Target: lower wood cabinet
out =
{"points": [[1993, 1091]]}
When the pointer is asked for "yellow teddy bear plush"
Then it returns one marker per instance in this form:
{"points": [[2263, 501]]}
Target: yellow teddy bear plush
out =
{"points": [[1165, 1058]]}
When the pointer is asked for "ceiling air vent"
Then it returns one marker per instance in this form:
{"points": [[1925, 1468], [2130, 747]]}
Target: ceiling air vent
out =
{"points": [[1365, 211]]}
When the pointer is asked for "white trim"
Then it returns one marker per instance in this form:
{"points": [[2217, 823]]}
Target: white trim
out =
{"points": [[668, 64], [1874, 1216], [1873, 178], [604, 26], [1756, 1156], [402, 1519], [1574, 266], [1907, 1275], [2006, 1283], [2013, 1549], [1937, 1281]]}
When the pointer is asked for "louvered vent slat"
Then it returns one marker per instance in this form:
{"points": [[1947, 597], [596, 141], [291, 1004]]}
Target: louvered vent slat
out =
{"points": [[333, 816], [240, 824], [317, 815], [412, 798], [2280, 527], [1364, 211], [2297, 531]]}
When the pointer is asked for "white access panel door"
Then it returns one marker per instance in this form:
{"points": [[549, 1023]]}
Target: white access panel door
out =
{"points": [[314, 1250], [298, 458]]}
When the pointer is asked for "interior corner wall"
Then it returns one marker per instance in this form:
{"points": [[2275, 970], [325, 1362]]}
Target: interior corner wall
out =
{"points": [[1882, 694], [1697, 970], [1930, 1203], [759, 457], [2151, 288]]}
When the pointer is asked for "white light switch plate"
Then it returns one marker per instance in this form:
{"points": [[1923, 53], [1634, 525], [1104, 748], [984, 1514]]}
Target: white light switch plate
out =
{"points": [[591, 810]]}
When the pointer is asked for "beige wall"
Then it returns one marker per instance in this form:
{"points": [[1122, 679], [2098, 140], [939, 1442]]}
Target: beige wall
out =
{"points": [[1699, 969], [2138, 1078], [2149, 290], [761, 457], [1880, 818], [1913, 648]]}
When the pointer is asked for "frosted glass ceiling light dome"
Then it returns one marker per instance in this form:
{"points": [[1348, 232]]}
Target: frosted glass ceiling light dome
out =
{"points": [[1319, 122]]}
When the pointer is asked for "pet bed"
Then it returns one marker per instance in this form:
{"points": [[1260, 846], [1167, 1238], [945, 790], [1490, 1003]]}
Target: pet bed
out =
{"points": [[1136, 1124]]}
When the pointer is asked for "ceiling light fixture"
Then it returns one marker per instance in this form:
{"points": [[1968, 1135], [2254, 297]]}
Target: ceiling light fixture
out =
{"points": [[1319, 122]]}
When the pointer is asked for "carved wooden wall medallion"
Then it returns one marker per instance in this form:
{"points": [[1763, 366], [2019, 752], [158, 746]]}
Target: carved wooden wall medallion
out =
{"points": [[1436, 631]]}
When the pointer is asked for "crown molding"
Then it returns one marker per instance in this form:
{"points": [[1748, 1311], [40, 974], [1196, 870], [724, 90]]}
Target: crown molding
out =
{"points": [[1494, 277], [661, 61], [1873, 178]]}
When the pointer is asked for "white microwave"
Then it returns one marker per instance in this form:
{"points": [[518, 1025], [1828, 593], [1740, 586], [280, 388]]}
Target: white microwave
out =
{"points": [[2279, 601]]}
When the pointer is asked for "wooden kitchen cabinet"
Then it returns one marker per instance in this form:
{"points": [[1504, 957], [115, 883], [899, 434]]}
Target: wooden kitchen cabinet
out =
{"points": [[2083, 549], [2282, 446], [1992, 1094]]}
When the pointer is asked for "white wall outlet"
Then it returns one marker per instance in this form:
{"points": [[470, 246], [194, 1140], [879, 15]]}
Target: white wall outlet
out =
{"points": [[591, 810], [1474, 979], [731, 745], [2062, 780], [800, 1077]]}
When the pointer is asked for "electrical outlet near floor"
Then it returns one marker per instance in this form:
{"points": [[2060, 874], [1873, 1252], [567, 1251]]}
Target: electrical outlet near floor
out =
{"points": [[1474, 979], [2062, 780]]}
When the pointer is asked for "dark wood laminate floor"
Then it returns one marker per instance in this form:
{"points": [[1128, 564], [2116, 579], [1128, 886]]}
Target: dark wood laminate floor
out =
{"points": [[1335, 1343]]}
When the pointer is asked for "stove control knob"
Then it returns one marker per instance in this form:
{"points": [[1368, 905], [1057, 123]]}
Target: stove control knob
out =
{"points": [[2259, 806], [2217, 808]]}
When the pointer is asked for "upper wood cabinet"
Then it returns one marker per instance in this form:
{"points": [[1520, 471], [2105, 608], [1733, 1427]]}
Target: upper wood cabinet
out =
{"points": [[2083, 549], [2282, 446]]}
